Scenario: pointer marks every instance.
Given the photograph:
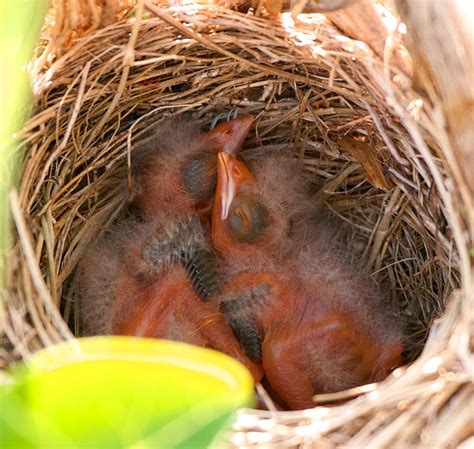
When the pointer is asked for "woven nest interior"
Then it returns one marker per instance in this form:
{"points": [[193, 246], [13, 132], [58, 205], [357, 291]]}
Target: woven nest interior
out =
{"points": [[374, 149]]}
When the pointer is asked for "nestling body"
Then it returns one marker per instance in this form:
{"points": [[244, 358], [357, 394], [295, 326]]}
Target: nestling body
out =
{"points": [[152, 276], [296, 303]]}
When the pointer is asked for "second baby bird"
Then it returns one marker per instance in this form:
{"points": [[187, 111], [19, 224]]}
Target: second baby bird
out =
{"points": [[294, 297]]}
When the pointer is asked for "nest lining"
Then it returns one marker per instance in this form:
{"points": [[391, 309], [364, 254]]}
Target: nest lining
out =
{"points": [[315, 93]]}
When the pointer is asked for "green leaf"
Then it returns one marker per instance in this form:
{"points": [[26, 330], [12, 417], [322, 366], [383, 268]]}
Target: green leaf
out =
{"points": [[20, 22], [122, 392]]}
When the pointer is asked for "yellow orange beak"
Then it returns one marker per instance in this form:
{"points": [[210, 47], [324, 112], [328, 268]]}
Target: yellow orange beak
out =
{"points": [[231, 174], [230, 136]]}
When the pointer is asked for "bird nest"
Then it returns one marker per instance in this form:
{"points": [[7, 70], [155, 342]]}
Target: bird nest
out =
{"points": [[379, 156]]}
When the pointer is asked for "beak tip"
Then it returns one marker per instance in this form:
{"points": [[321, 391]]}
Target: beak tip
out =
{"points": [[230, 136], [225, 183]]}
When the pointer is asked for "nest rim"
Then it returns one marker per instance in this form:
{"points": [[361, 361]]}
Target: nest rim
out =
{"points": [[65, 109]]}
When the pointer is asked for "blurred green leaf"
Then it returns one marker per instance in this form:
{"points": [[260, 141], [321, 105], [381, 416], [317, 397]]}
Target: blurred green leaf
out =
{"points": [[20, 22], [122, 392]]}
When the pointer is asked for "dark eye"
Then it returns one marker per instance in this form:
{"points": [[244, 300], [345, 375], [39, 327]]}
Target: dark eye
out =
{"points": [[199, 177], [247, 219]]}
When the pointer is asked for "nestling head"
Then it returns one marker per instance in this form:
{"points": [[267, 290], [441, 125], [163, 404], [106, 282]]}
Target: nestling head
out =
{"points": [[174, 169], [255, 209], [198, 175]]}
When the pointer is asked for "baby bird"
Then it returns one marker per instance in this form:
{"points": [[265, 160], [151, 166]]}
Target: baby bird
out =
{"points": [[174, 170], [173, 174], [175, 177], [163, 290], [294, 299], [152, 276]]}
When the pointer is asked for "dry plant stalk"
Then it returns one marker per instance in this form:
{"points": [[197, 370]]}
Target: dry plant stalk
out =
{"points": [[275, 7], [361, 21], [369, 158], [309, 87], [442, 44]]}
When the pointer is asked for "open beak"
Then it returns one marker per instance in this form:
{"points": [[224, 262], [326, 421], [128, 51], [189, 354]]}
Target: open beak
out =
{"points": [[230, 136], [231, 173]]}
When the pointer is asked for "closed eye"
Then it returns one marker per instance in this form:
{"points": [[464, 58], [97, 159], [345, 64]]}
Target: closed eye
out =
{"points": [[247, 220], [199, 177]]}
